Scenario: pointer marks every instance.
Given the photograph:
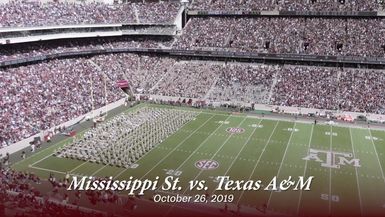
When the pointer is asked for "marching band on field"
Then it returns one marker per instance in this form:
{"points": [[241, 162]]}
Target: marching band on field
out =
{"points": [[122, 140]]}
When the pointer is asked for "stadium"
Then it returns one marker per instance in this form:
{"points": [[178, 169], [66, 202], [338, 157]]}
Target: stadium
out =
{"points": [[192, 108]]}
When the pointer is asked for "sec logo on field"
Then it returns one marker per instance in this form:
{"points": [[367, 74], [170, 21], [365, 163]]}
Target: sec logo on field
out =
{"points": [[235, 130], [206, 164]]}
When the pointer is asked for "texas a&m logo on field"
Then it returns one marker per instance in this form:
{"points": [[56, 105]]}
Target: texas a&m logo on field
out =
{"points": [[332, 159]]}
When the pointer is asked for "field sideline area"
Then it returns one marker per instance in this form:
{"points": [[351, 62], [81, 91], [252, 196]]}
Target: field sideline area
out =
{"points": [[251, 148]]}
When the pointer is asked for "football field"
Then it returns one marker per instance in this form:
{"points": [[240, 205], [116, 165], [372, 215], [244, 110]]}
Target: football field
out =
{"points": [[347, 163]]}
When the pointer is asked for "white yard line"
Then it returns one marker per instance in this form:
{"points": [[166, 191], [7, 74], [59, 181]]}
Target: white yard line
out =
{"points": [[259, 158], [330, 172], [53, 171], [78, 167], [121, 172], [48, 170], [283, 159], [200, 172], [101, 168], [358, 183], [40, 152], [49, 155], [220, 113], [375, 150], [236, 157], [305, 170]]}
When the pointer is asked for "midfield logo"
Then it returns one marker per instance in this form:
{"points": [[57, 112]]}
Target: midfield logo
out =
{"points": [[332, 159], [206, 164]]}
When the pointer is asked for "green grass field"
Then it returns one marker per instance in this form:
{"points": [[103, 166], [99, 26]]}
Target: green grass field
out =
{"points": [[265, 149]]}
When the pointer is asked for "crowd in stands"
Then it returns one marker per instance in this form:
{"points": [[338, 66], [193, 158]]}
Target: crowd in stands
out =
{"points": [[362, 90], [292, 5], [17, 51], [217, 81], [43, 95], [310, 87], [330, 88], [143, 72], [338, 37], [22, 13], [25, 194], [334, 37], [157, 12], [188, 79], [314, 36], [244, 83]]}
